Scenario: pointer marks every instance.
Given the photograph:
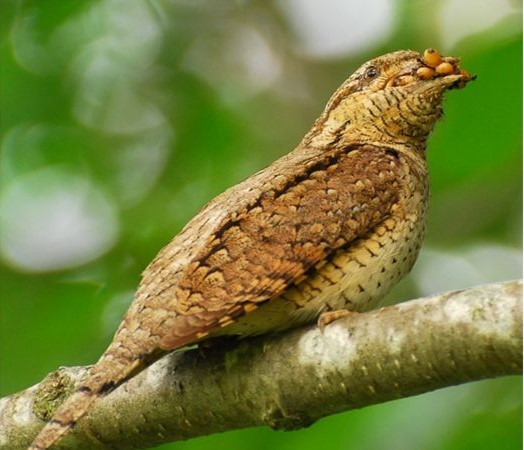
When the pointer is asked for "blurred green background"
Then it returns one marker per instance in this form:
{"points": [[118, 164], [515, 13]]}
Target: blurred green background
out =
{"points": [[120, 119]]}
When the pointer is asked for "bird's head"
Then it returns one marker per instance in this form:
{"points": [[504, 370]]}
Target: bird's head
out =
{"points": [[395, 98]]}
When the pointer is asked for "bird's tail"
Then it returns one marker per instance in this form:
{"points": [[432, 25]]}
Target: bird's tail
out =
{"points": [[114, 367], [72, 410]]}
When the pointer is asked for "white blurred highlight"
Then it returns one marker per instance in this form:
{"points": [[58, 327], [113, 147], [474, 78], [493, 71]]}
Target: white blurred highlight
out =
{"points": [[53, 220], [107, 66], [438, 271], [334, 28], [237, 60], [461, 18]]}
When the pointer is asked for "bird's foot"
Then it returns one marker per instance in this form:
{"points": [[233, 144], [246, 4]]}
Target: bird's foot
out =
{"points": [[330, 316]]}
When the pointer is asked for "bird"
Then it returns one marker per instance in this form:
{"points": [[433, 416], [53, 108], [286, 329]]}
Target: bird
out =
{"points": [[324, 231]]}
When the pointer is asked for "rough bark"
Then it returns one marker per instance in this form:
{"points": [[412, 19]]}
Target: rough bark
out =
{"points": [[290, 380]]}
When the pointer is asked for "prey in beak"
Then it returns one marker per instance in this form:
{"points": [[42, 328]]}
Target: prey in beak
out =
{"points": [[431, 65]]}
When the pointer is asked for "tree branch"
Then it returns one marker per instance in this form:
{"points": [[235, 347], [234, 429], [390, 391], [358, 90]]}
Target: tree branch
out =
{"points": [[290, 380]]}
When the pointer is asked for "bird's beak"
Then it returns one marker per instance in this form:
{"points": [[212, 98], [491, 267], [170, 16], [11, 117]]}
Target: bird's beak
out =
{"points": [[444, 72]]}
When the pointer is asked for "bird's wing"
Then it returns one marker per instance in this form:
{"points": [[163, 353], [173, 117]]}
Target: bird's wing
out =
{"points": [[253, 256]]}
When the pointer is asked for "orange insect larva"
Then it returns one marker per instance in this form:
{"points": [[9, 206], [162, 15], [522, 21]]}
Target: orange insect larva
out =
{"points": [[425, 73], [445, 68], [432, 57]]}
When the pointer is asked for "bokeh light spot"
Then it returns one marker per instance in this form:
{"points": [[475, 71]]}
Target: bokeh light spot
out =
{"points": [[332, 28], [53, 220]]}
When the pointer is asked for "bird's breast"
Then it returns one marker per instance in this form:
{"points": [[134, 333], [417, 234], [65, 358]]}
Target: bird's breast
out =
{"points": [[356, 277]]}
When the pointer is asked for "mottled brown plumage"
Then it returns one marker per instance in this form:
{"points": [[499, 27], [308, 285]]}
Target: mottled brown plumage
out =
{"points": [[330, 226]]}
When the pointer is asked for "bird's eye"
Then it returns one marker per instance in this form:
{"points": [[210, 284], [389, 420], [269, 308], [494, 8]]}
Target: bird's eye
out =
{"points": [[371, 72]]}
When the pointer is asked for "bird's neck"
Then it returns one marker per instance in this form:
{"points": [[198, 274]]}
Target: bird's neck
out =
{"points": [[384, 118]]}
